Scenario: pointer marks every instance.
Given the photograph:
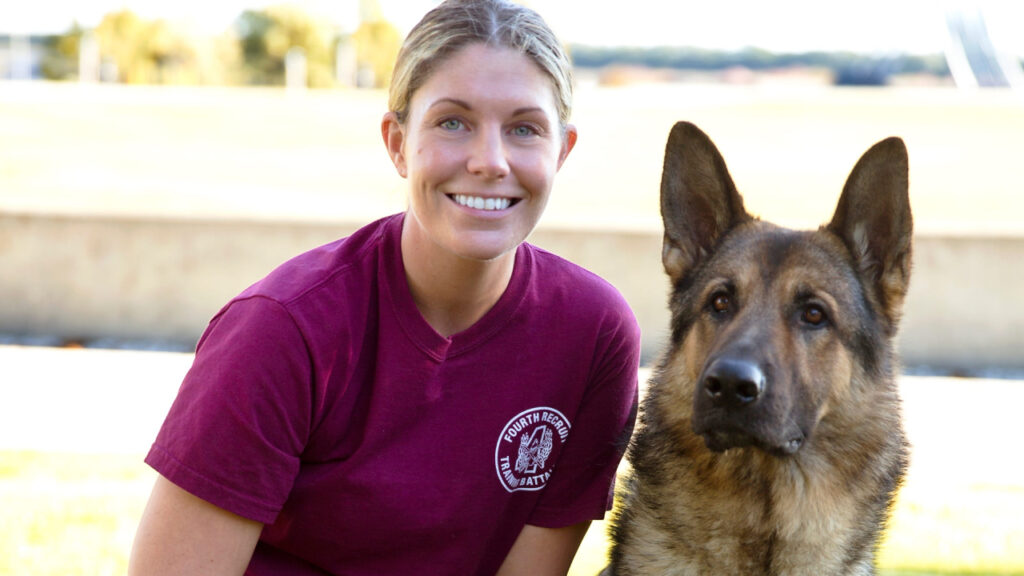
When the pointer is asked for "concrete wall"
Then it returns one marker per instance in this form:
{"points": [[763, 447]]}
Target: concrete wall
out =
{"points": [[87, 277]]}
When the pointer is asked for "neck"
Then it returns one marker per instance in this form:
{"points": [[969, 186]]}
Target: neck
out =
{"points": [[452, 293]]}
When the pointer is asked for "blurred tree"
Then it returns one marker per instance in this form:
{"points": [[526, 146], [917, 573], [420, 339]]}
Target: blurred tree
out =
{"points": [[146, 52], [219, 59], [121, 37], [137, 51], [60, 61], [261, 67], [265, 36], [377, 44]]}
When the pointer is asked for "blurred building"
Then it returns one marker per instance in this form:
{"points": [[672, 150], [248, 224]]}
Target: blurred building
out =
{"points": [[21, 56]]}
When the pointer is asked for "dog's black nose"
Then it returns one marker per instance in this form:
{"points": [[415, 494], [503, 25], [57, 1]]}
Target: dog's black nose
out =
{"points": [[732, 383]]}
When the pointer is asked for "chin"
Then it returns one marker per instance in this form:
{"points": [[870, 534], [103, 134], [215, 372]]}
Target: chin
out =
{"points": [[486, 246]]}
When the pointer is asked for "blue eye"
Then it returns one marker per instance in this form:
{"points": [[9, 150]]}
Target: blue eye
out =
{"points": [[451, 124], [524, 130]]}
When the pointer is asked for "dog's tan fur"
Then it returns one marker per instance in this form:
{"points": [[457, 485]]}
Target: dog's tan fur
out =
{"points": [[801, 481]]}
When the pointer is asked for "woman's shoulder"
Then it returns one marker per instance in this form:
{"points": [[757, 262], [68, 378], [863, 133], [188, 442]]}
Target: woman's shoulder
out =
{"points": [[570, 284], [557, 270], [326, 294], [348, 263]]}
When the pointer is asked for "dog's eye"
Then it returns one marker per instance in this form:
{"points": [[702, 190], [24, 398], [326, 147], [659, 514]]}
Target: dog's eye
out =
{"points": [[721, 303], [813, 315]]}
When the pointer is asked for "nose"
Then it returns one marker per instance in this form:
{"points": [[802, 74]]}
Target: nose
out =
{"points": [[488, 157], [733, 383]]}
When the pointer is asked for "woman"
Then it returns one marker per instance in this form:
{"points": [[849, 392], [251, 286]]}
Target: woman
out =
{"points": [[431, 394]]}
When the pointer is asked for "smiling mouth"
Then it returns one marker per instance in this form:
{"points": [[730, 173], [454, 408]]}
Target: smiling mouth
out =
{"points": [[481, 203]]}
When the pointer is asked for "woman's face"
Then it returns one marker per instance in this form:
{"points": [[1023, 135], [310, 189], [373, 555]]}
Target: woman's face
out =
{"points": [[480, 148]]}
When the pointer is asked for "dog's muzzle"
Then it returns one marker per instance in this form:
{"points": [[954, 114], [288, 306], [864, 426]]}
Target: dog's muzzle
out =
{"points": [[732, 409]]}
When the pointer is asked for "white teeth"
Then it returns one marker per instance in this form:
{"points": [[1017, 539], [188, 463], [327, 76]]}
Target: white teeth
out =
{"points": [[480, 203]]}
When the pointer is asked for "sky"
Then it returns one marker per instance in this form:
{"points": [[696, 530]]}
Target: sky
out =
{"points": [[869, 26]]}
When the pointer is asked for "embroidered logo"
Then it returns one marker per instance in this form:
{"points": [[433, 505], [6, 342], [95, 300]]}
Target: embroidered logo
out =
{"points": [[523, 455]]}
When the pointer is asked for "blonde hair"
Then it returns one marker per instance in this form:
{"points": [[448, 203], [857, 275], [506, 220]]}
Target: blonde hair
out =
{"points": [[455, 24]]}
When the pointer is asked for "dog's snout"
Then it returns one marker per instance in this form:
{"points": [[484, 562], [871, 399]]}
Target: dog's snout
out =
{"points": [[732, 383]]}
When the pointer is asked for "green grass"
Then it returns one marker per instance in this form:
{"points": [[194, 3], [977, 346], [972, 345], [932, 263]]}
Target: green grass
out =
{"points": [[72, 514]]}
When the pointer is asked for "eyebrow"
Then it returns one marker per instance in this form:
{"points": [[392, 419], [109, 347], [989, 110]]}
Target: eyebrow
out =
{"points": [[467, 106]]}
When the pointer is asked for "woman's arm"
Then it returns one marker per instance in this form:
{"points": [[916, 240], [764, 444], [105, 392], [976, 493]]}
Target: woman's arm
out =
{"points": [[182, 534], [544, 551]]}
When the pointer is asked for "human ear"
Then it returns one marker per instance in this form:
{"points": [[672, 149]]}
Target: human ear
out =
{"points": [[568, 142], [394, 141]]}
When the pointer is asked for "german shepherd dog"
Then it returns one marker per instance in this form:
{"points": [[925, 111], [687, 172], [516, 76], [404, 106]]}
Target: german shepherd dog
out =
{"points": [[770, 439]]}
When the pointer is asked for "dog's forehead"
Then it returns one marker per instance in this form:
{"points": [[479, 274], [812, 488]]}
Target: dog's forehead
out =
{"points": [[765, 253]]}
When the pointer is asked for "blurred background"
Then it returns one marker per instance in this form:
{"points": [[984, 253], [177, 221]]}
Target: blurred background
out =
{"points": [[156, 158]]}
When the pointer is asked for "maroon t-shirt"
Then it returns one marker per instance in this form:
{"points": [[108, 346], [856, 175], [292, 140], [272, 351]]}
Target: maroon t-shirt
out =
{"points": [[322, 404]]}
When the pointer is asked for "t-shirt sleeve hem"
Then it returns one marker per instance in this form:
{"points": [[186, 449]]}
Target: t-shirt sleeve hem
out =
{"points": [[560, 518], [203, 487]]}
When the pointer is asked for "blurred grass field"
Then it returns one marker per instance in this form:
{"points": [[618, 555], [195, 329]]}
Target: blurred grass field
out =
{"points": [[262, 153], [75, 515]]}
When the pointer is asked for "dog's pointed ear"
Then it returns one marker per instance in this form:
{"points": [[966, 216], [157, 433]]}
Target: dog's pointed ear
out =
{"points": [[874, 221], [699, 202]]}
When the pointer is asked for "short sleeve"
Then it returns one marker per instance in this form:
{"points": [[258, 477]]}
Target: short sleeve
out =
{"points": [[236, 430], [582, 485]]}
